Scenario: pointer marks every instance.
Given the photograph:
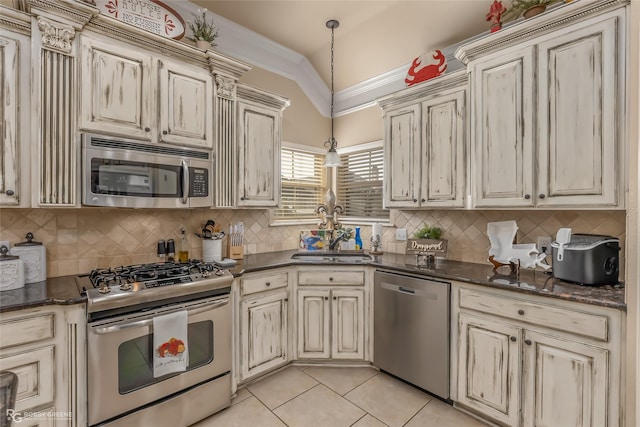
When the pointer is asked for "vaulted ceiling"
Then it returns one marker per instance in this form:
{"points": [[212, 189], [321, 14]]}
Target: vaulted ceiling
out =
{"points": [[374, 44]]}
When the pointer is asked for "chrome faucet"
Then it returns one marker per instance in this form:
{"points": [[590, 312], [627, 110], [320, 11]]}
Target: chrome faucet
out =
{"points": [[341, 236]]}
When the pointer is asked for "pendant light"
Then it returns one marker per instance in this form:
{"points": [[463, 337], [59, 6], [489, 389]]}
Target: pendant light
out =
{"points": [[332, 159]]}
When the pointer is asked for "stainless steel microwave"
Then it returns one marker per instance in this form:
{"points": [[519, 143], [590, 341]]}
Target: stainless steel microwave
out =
{"points": [[119, 172]]}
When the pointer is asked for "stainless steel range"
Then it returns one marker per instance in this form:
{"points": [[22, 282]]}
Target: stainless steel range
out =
{"points": [[122, 303]]}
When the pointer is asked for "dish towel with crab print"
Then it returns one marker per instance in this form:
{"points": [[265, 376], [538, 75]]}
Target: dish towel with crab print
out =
{"points": [[170, 347]]}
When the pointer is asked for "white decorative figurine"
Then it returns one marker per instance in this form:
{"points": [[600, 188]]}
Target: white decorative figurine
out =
{"points": [[504, 252]]}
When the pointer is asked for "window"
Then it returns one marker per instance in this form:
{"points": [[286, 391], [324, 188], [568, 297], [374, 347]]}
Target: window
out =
{"points": [[303, 179], [359, 182]]}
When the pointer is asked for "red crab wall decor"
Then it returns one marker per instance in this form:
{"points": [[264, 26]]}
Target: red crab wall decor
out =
{"points": [[495, 14], [426, 66]]}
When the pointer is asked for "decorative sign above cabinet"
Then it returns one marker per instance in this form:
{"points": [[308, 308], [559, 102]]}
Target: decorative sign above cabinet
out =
{"points": [[149, 15]]}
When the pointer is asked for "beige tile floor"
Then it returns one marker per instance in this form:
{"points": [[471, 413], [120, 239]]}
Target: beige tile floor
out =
{"points": [[335, 397]]}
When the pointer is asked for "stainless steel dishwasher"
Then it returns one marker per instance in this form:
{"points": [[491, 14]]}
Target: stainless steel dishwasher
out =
{"points": [[411, 330]]}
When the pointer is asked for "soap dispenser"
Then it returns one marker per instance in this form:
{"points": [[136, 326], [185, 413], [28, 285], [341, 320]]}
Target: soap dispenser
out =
{"points": [[358, 239]]}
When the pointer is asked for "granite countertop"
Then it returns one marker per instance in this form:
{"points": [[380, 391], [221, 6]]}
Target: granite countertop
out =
{"points": [[63, 290], [527, 281]]}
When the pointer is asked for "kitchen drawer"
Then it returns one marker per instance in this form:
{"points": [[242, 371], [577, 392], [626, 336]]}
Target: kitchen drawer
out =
{"points": [[35, 376], [266, 282], [24, 330], [329, 277], [560, 318]]}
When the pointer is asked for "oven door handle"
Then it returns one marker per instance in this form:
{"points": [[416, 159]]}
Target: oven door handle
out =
{"points": [[146, 322]]}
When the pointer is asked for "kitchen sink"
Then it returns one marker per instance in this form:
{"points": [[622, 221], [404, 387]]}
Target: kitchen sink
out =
{"points": [[324, 256]]}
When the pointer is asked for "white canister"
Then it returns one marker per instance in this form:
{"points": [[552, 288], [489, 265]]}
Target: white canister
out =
{"points": [[211, 250], [11, 271], [34, 257]]}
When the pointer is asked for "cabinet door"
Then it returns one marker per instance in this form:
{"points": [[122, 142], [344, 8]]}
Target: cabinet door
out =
{"points": [[116, 95], [565, 383], [347, 324], [186, 105], [402, 157], [488, 368], [502, 130], [9, 127], [578, 89], [259, 166], [443, 137], [313, 324], [264, 333]]}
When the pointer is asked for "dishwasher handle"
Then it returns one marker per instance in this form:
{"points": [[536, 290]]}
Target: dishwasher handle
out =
{"points": [[409, 291]]}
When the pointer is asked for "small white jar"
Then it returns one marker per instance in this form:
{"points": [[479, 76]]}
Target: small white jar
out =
{"points": [[11, 271]]}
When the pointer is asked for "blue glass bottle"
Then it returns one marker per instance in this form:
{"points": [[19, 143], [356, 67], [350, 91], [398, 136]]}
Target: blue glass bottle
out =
{"points": [[358, 239]]}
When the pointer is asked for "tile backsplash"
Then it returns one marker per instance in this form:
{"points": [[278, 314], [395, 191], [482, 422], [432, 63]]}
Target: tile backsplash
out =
{"points": [[79, 240]]}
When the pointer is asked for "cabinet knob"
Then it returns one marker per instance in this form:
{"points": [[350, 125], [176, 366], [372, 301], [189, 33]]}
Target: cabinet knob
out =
{"points": [[527, 342], [241, 198], [423, 200], [415, 200], [268, 284], [331, 279], [10, 192], [542, 196], [527, 196], [326, 298], [335, 298], [286, 299], [513, 339], [147, 129], [521, 312], [164, 132]]}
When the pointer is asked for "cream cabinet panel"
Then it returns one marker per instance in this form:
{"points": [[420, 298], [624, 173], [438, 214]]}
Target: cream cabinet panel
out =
{"points": [[117, 89], [314, 313], [577, 91], [565, 382], [186, 105], [402, 157], [35, 373], [489, 365], [15, 140], [347, 331], [264, 333], [502, 132], [259, 143], [443, 139]]}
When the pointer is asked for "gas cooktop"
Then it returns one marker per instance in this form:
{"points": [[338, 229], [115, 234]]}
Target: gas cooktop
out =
{"points": [[134, 287]]}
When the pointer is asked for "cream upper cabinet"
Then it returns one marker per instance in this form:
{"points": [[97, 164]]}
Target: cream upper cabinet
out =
{"points": [[424, 144], [535, 362], [548, 126], [502, 136], [117, 95], [259, 144], [579, 81], [186, 105], [14, 128]]}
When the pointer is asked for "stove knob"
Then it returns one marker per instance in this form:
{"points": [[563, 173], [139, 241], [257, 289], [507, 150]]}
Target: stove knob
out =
{"points": [[206, 273], [126, 286], [104, 290], [219, 272]]}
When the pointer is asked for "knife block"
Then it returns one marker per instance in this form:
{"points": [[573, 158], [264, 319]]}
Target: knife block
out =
{"points": [[234, 251]]}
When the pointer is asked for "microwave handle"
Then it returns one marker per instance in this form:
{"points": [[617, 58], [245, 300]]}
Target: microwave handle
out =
{"points": [[146, 322], [185, 182]]}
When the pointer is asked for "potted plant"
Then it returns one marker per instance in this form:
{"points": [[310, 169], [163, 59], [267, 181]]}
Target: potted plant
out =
{"points": [[527, 8], [203, 32]]}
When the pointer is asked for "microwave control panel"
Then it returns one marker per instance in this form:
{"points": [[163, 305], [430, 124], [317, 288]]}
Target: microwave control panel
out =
{"points": [[198, 182]]}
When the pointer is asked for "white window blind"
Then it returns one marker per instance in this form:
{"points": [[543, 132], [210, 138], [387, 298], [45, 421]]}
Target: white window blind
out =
{"points": [[303, 180], [359, 186]]}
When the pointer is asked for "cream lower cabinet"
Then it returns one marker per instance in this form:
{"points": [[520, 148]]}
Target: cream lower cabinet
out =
{"points": [[264, 322], [45, 348], [332, 320], [530, 363]]}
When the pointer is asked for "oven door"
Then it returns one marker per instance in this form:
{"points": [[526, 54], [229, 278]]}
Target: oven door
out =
{"points": [[120, 357]]}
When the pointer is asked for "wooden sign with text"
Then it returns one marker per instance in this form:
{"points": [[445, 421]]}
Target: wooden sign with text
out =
{"points": [[422, 246], [149, 15]]}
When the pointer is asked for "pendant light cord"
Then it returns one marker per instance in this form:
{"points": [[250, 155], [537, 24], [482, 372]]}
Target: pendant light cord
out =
{"points": [[332, 138]]}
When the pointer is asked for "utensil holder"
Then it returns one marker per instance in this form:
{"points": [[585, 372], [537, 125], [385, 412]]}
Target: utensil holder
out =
{"points": [[235, 250], [211, 250]]}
